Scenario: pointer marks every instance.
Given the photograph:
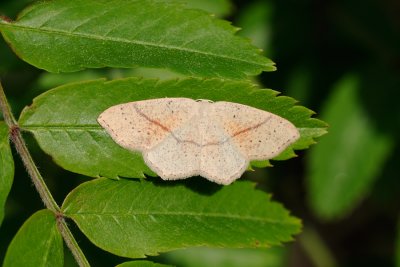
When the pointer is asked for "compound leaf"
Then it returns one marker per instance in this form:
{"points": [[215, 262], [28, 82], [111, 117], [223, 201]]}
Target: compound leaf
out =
{"points": [[63, 120], [37, 243], [6, 167], [65, 36], [134, 218]]}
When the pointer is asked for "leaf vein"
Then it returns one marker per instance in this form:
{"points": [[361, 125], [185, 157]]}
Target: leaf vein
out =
{"points": [[186, 214], [133, 42]]}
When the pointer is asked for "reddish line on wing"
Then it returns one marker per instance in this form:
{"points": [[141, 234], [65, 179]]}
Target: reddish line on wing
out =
{"points": [[165, 128], [251, 128]]}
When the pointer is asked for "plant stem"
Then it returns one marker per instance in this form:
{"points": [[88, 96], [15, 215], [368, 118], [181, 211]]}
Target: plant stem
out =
{"points": [[5, 109], [316, 249], [37, 179], [71, 242]]}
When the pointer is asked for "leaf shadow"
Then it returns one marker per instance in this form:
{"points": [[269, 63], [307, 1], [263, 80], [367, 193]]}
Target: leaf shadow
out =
{"points": [[197, 184]]}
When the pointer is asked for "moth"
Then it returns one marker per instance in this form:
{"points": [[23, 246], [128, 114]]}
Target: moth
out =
{"points": [[182, 137]]}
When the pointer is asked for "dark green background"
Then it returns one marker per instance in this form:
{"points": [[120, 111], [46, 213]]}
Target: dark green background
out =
{"points": [[315, 43]]}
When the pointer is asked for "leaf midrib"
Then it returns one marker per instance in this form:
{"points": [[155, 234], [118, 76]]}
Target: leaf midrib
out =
{"points": [[135, 42], [192, 214], [48, 245], [61, 127], [67, 127]]}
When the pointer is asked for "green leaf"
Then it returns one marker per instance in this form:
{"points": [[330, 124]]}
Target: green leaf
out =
{"points": [[63, 120], [37, 243], [343, 167], [141, 264], [221, 8], [137, 218], [49, 80], [200, 257], [6, 167], [123, 34]]}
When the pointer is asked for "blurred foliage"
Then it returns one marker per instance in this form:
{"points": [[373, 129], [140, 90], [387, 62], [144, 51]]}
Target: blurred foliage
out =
{"points": [[199, 257], [255, 21], [315, 44], [339, 176], [141, 264]]}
